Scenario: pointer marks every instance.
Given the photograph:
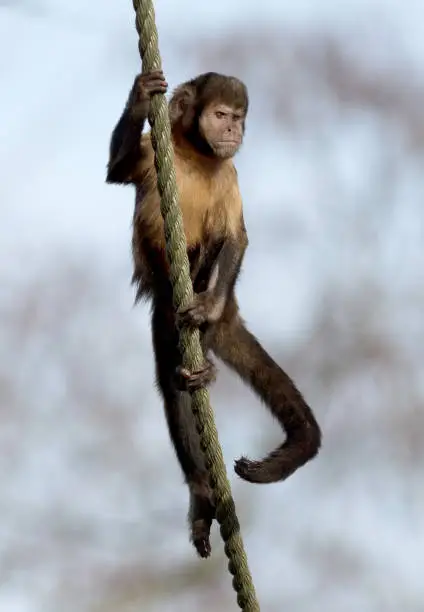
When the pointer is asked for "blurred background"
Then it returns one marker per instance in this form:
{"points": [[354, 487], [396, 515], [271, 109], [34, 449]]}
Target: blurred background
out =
{"points": [[92, 502]]}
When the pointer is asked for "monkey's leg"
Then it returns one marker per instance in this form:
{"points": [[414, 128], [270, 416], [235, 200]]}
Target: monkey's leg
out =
{"points": [[200, 517], [186, 442], [182, 430], [242, 352]]}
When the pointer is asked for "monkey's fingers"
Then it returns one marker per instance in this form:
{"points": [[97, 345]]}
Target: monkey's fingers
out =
{"points": [[160, 89], [191, 381], [148, 77], [157, 86], [150, 84]]}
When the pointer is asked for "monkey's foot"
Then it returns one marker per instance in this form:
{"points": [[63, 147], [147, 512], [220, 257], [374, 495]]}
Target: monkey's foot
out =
{"points": [[202, 513], [200, 532], [191, 381]]}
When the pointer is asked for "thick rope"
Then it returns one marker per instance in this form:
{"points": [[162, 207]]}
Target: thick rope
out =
{"points": [[176, 250]]}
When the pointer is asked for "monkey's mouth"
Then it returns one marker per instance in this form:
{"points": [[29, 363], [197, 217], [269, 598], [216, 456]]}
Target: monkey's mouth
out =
{"points": [[225, 148]]}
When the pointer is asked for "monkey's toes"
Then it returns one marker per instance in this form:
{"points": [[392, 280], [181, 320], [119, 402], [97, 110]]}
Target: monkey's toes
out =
{"points": [[192, 316], [200, 538], [203, 547]]}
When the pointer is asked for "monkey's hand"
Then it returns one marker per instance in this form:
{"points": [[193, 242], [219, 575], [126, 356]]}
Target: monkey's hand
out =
{"points": [[191, 381], [145, 86], [206, 307]]}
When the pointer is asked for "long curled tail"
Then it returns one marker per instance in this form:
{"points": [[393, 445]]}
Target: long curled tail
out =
{"points": [[242, 352]]}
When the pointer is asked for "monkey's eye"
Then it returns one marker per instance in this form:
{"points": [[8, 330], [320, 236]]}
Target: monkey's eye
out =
{"points": [[219, 115]]}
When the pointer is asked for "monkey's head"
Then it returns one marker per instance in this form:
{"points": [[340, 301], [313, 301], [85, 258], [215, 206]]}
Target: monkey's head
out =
{"points": [[211, 110]]}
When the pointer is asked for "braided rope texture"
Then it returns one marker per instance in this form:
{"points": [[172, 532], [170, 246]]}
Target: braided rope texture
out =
{"points": [[176, 250]]}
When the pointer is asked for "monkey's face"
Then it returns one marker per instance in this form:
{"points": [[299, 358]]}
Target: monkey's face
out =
{"points": [[222, 127]]}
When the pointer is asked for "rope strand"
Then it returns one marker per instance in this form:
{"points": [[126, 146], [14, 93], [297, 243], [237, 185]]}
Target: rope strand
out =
{"points": [[176, 250]]}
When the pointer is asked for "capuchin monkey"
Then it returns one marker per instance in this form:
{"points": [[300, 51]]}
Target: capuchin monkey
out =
{"points": [[207, 117]]}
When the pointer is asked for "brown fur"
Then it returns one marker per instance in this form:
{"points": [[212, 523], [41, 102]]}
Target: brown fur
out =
{"points": [[210, 202], [216, 241], [209, 196]]}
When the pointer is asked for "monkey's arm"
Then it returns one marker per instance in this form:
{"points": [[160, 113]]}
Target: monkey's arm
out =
{"points": [[209, 305], [125, 149], [227, 267]]}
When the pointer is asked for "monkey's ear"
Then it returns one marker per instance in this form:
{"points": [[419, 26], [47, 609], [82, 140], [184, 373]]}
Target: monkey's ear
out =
{"points": [[181, 105]]}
